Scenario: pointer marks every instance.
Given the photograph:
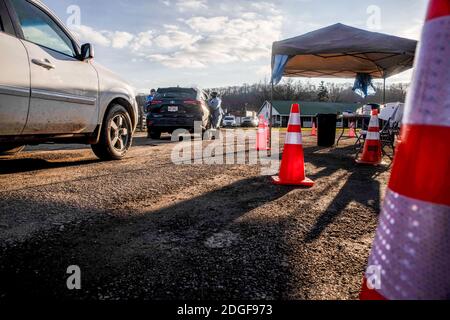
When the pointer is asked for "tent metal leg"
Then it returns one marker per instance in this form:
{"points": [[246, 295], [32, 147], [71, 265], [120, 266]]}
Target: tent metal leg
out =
{"points": [[271, 115]]}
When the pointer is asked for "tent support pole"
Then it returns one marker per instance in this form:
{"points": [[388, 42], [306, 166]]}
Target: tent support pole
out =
{"points": [[384, 90], [271, 114]]}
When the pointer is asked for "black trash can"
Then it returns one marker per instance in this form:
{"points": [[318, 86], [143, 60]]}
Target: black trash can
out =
{"points": [[326, 135]]}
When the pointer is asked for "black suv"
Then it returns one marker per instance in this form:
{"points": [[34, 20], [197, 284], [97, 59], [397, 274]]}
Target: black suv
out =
{"points": [[177, 108]]}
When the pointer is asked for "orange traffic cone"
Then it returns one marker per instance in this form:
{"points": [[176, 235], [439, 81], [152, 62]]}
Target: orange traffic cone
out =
{"points": [[352, 133], [410, 256], [314, 130], [262, 137], [292, 171], [372, 154]]}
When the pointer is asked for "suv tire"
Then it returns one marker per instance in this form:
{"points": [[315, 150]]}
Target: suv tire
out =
{"points": [[154, 134], [116, 135]]}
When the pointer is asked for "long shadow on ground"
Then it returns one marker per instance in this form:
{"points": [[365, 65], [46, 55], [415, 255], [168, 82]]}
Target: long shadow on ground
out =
{"points": [[10, 166], [194, 249], [360, 187]]}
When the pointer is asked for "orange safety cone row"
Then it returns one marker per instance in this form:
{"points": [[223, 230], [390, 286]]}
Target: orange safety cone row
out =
{"points": [[262, 137], [292, 171], [314, 130], [352, 133], [372, 154], [410, 256]]}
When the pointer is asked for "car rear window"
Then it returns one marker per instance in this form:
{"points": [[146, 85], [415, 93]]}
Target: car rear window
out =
{"points": [[176, 93]]}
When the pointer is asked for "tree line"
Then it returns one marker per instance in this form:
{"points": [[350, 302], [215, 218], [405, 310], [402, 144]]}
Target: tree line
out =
{"points": [[250, 97]]}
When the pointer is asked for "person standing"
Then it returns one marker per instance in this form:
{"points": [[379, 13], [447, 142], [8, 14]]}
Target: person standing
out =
{"points": [[145, 109], [215, 105], [150, 98]]}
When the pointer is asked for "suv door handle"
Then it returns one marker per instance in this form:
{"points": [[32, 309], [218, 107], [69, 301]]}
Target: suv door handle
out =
{"points": [[43, 63]]}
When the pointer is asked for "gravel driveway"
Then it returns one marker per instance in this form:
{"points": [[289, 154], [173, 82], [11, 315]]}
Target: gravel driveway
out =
{"points": [[144, 228]]}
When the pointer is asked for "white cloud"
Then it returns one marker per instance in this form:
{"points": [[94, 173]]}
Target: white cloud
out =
{"points": [[87, 34], [413, 31], [248, 36], [174, 38], [207, 25], [114, 39], [245, 34], [142, 40], [177, 60], [191, 5], [121, 39]]}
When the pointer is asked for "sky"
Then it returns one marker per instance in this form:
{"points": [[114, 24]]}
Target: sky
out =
{"points": [[214, 43]]}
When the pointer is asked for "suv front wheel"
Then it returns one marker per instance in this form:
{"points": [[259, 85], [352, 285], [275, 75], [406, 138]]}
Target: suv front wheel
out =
{"points": [[116, 135]]}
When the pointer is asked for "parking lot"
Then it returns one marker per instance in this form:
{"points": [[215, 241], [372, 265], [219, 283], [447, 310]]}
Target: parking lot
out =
{"points": [[146, 228]]}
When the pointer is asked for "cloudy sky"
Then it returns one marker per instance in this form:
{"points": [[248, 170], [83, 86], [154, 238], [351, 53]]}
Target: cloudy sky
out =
{"points": [[155, 43]]}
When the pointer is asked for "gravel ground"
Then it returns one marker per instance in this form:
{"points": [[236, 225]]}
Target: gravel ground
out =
{"points": [[144, 228]]}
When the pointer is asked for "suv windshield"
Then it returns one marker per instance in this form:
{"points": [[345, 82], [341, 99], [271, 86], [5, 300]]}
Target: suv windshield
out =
{"points": [[176, 93]]}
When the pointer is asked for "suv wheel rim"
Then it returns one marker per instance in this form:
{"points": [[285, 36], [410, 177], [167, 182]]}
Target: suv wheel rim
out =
{"points": [[119, 133]]}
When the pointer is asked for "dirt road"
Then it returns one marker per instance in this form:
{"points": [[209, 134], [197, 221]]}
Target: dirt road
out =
{"points": [[144, 228]]}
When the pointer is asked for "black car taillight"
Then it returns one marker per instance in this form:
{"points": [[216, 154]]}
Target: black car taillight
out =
{"points": [[192, 102]]}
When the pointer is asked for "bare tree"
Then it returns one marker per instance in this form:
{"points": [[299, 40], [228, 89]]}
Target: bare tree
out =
{"points": [[252, 96]]}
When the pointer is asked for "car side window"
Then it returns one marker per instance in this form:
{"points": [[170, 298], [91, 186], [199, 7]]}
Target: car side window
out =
{"points": [[40, 29], [1, 22]]}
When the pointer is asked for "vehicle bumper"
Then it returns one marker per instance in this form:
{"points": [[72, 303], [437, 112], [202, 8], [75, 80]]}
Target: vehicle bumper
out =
{"points": [[168, 124]]}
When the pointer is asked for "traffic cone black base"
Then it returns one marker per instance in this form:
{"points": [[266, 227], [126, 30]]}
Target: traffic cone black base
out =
{"points": [[305, 183]]}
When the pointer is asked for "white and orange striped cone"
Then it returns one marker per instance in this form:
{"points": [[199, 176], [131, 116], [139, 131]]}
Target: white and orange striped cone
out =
{"points": [[352, 133], [262, 137], [292, 171], [372, 153], [410, 256], [314, 130]]}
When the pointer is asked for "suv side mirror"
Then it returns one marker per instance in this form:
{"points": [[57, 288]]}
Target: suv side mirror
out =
{"points": [[87, 51]]}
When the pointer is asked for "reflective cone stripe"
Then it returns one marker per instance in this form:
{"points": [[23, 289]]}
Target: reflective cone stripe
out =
{"points": [[374, 125], [294, 119], [412, 246], [373, 136], [294, 138], [294, 134], [292, 170]]}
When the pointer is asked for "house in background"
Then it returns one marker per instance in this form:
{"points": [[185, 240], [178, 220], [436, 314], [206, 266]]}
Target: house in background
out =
{"points": [[308, 111]]}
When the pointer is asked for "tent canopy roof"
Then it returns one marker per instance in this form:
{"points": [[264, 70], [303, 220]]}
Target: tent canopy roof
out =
{"points": [[343, 51]]}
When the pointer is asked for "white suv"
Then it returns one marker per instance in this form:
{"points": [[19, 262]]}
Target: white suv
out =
{"points": [[229, 121], [51, 90]]}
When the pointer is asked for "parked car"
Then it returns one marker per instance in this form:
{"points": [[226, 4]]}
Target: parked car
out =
{"points": [[252, 122], [229, 121], [51, 90], [177, 108]]}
